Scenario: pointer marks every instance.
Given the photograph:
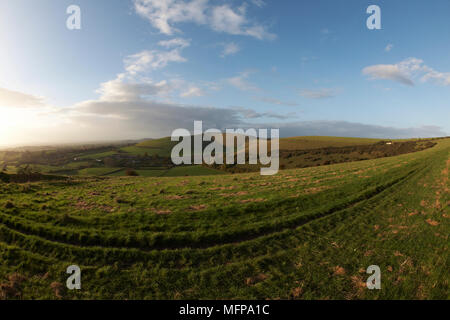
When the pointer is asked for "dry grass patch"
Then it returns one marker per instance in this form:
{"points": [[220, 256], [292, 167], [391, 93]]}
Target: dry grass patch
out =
{"points": [[338, 271], [432, 222], [256, 279], [198, 207]]}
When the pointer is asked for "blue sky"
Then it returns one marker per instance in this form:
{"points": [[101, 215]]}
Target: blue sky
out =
{"points": [[307, 67]]}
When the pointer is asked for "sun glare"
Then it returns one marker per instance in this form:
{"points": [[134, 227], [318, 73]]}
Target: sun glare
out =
{"points": [[12, 123]]}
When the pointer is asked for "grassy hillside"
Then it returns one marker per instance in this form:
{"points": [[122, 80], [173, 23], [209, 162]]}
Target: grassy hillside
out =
{"points": [[297, 152], [162, 147], [191, 171], [165, 145], [312, 142], [302, 234], [97, 171]]}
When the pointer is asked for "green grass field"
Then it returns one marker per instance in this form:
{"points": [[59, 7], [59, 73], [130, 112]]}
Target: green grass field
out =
{"points": [[94, 156], [98, 171], [162, 147], [191, 171], [302, 234], [142, 173], [313, 142], [174, 172]]}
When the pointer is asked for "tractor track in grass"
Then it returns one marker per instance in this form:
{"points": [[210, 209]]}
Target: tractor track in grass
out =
{"points": [[209, 269], [242, 238], [297, 246]]}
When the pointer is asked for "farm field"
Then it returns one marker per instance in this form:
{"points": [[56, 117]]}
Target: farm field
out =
{"points": [[98, 171], [304, 143], [163, 147], [306, 233], [150, 155]]}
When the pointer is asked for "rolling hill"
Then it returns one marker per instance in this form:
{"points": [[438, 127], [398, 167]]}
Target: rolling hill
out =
{"points": [[302, 234]]}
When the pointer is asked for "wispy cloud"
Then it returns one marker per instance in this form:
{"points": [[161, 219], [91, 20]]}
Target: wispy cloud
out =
{"points": [[149, 60], [229, 49], [388, 72], [406, 71], [136, 84], [247, 113], [121, 90], [259, 3], [275, 101], [240, 82], [389, 47], [165, 14], [323, 93], [10, 98], [192, 92], [175, 43]]}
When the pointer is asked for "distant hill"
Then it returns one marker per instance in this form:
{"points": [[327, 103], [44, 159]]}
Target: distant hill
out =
{"points": [[315, 142], [162, 147], [165, 145], [305, 233]]}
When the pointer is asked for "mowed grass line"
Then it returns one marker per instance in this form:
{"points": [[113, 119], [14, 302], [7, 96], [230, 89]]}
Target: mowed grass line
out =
{"points": [[262, 208], [46, 248], [189, 239]]}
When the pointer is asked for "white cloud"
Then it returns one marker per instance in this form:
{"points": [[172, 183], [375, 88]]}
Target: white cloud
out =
{"points": [[96, 120], [240, 82], [406, 71], [442, 78], [174, 43], [150, 60], [230, 48], [225, 19], [388, 71], [10, 98], [228, 20], [322, 93], [389, 47], [118, 90], [134, 84], [192, 92], [101, 120], [164, 14], [259, 3]]}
